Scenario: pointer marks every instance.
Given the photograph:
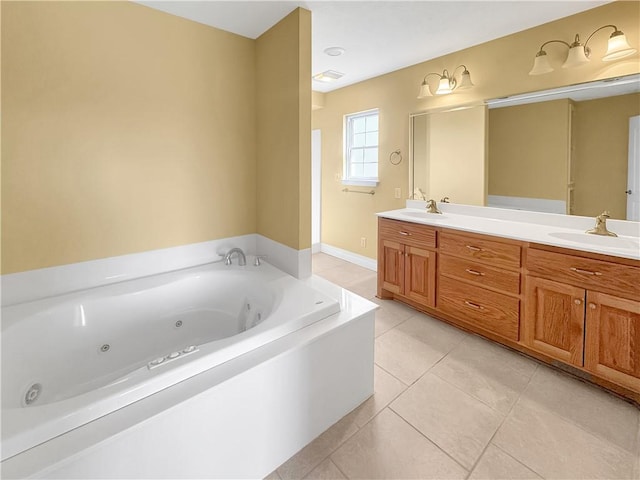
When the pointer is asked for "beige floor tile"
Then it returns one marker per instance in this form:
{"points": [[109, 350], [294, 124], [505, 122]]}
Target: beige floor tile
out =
{"points": [[310, 456], [395, 307], [556, 448], [386, 388], [459, 424], [322, 261], [389, 448], [496, 464], [586, 405], [386, 320], [486, 371], [327, 470], [414, 346], [636, 473], [366, 287], [273, 476], [346, 275]]}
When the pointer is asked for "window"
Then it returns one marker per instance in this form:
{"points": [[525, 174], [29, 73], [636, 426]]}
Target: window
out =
{"points": [[361, 149]]}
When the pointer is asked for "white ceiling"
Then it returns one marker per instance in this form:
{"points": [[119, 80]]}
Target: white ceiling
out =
{"points": [[380, 36]]}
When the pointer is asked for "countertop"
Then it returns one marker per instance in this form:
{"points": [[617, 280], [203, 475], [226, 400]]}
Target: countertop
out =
{"points": [[543, 228]]}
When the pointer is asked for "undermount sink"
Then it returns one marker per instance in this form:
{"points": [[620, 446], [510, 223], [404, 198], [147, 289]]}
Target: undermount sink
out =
{"points": [[435, 216], [626, 243]]}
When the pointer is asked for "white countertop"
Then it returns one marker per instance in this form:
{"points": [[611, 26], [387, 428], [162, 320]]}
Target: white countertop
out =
{"points": [[545, 228]]}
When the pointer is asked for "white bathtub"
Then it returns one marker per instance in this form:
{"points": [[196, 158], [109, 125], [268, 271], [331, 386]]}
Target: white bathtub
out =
{"points": [[70, 359]]}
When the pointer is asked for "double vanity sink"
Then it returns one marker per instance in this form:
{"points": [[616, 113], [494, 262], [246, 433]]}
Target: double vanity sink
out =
{"points": [[535, 282], [529, 227]]}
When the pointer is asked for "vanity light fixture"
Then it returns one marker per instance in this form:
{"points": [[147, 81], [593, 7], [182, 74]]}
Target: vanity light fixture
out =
{"points": [[447, 83], [618, 47]]}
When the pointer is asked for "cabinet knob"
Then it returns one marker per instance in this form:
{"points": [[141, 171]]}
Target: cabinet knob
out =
{"points": [[592, 306], [577, 301]]}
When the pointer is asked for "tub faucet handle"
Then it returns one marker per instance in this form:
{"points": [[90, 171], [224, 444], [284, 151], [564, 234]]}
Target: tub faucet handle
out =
{"points": [[257, 262]]}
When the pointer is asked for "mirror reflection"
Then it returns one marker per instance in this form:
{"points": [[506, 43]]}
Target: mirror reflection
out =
{"points": [[558, 151]]}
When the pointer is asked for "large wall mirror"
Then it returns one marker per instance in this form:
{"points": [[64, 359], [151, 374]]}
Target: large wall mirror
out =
{"points": [[565, 150]]}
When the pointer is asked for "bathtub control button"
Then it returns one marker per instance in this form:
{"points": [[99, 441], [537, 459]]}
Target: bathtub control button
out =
{"points": [[189, 349], [157, 361], [173, 355]]}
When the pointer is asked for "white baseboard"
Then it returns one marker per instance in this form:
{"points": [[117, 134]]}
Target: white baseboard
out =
{"points": [[366, 262]]}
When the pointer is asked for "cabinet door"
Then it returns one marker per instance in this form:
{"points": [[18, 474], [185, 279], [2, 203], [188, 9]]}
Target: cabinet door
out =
{"points": [[554, 319], [420, 275], [612, 347], [392, 265]]}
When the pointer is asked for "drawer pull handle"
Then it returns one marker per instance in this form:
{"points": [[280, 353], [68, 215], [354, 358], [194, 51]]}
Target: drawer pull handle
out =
{"points": [[585, 272], [473, 305], [577, 301], [592, 306], [474, 249], [473, 272], [406, 234]]}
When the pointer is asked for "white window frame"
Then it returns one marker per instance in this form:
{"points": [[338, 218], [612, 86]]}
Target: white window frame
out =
{"points": [[347, 179]]}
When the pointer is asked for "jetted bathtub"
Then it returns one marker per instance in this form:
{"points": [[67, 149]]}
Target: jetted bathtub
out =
{"points": [[69, 359]]}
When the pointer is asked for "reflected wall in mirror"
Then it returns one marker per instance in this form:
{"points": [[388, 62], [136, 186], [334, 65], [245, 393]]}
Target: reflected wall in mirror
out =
{"points": [[448, 151], [563, 151]]}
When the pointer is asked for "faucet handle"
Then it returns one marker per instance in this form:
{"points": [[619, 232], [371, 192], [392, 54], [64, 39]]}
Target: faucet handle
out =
{"points": [[256, 262]]}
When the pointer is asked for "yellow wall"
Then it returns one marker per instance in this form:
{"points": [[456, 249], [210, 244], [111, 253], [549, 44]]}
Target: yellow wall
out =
{"points": [[284, 136], [529, 150], [498, 68], [602, 139], [126, 129]]}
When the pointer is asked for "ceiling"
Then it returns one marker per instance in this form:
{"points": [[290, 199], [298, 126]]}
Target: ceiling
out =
{"points": [[380, 36]]}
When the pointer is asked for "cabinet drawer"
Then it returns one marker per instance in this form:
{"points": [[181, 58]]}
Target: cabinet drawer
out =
{"points": [[483, 275], [480, 249], [494, 312], [408, 233], [585, 272]]}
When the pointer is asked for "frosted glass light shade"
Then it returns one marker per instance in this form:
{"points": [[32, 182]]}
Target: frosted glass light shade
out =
{"points": [[577, 56], [465, 80], [444, 87], [541, 64], [618, 47], [425, 91]]}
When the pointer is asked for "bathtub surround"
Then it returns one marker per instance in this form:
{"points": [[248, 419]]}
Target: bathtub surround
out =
{"points": [[499, 69], [46, 282], [128, 130]]}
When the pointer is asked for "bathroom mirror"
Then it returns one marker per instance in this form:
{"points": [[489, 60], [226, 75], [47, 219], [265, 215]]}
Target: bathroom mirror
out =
{"points": [[560, 151]]}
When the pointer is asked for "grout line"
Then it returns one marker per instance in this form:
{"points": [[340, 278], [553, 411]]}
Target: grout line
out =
{"points": [[430, 441], [338, 467]]}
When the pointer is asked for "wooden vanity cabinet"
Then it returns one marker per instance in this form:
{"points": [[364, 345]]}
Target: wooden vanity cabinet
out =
{"points": [[555, 304], [479, 282], [589, 319], [407, 261]]}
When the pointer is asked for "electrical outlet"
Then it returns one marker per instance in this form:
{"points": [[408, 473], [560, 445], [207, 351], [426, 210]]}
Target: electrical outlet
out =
{"points": [[398, 193], [363, 242]]}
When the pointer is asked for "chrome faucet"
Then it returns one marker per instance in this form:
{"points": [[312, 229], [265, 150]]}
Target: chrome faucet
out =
{"points": [[601, 226], [431, 207], [242, 260]]}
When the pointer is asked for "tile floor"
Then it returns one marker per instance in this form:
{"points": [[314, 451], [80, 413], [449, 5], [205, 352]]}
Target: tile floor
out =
{"points": [[449, 404]]}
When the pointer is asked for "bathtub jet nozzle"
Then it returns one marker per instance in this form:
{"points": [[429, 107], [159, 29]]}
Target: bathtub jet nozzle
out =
{"points": [[33, 392]]}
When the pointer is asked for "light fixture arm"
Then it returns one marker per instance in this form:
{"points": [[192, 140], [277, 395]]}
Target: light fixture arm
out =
{"points": [[553, 41], [615, 32], [460, 66], [424, 80]]}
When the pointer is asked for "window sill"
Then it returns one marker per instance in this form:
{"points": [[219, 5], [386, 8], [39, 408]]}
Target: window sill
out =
{"points": [[360, 183]]}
